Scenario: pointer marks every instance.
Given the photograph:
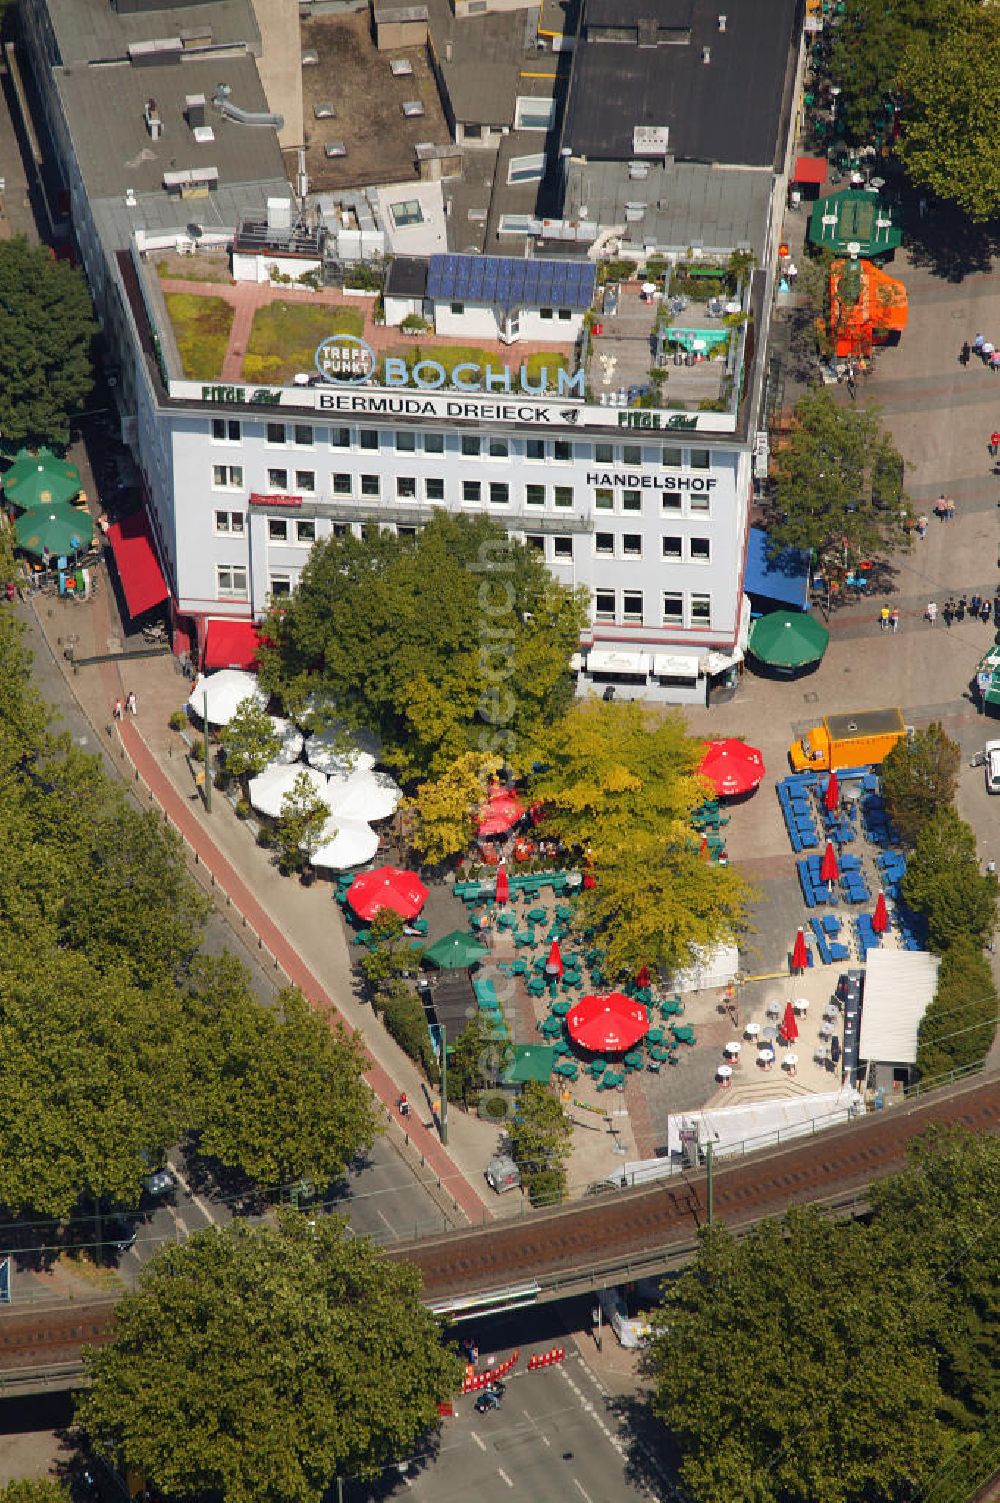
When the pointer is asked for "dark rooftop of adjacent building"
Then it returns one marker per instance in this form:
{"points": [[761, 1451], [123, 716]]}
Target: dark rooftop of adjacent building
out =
{"points": [[727, 109], [407, 277], [94, 31]]}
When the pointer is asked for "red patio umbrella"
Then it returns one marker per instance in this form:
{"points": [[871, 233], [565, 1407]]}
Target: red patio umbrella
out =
{"points": [[387, 887], [703, 850], [880, 918], [732, 767], [800, 956], [609, 1024], [503, 885], [831, 794], [642, 977], [554, 964], [500, 813], [829, 871], [789, 1027]]}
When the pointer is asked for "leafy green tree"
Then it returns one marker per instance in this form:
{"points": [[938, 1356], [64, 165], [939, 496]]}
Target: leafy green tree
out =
{"points": [[281, 1094], [838, 484], [790, 1367], [250, 740], [390, 954], [443, 809], [950, 141], [35, 1490], [256, 1364], [540, 1134], [944, 883], [405, 1021], [46, 330], [304, 815], [958, 1027], [475, 1060], [455, 641], [918, 776]]}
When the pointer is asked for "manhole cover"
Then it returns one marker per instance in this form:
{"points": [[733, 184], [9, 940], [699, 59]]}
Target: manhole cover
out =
{"points": [[811, 697]]}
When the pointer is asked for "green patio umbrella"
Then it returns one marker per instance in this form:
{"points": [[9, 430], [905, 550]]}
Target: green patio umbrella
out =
{"points": [[455, 952], [57, 528], [39, 479], [788, 639]]}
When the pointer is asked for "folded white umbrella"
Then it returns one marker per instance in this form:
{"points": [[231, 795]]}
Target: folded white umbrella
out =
{"points": [[292, 740], [337, 750], [226, 690], [269, 789], [348, 843], [364, 795]]}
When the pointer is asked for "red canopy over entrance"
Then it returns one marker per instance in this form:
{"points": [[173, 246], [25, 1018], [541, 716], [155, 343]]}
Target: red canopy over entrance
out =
{"points": [[387, 887], [610, 1024], [231, 644], [500, 813], [809, 170], [138, 567]]}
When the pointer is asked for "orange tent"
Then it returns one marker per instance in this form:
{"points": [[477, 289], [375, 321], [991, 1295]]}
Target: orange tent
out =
{"points": [[866, 307]]}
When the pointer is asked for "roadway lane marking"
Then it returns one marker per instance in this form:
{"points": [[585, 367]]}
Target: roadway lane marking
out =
{"points": [[197, 1200], [539, 1434], [180, 1223], [479, 1440], [591, 1410], [503, 1474], [583, 1492]]}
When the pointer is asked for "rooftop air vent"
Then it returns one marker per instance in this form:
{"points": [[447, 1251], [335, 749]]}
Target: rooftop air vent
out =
{"points": [[650, 140], [151, 115], [706, 54], [722, 23]]}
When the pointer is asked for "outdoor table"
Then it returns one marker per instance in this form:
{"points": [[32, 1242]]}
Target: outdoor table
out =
{"points": [[552, 1027], [765, 1056], [563, 911], [519, 968], [790, 1063], [538, 915], [826, 1030], [734, 1049], [671, 1008], [654, 1036], [683, 1035], [752, 1030], [801, 1006], [525, 937], [561, 1008], [633, 1060], [574, 879], [536, 987], [830, 1013], [659, 1053], [773, 1008], [725, 1074]]}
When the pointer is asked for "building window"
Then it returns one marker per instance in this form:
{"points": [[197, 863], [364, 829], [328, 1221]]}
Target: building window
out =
{"points": [[534, 114], [227, 477], [526, 169], [514, 224], [499, 448], [305, 531], [701, 550], [433, 443], [304, 435], [341, 485], [701, 610], [534, 448], [699, 501], [340, 438], [277, 529], [406, 488], [534, 495], [632, 545], [545, 313], [632, 605], [701, 459], [340, 530], [406, 532], [564, 495], [279, 584], [632, 453], [565, 314], [604, 453], [535, 540], [406, 443], [434, 488], [276, 433], [230, 581], [407, 212], [305, 480], [472, 492], [367, 438], [631, 500], [605, 605], [370, 485], [562, 450], [604, 543], [225, 431], [562, 547], [671, 501], [672, 459], [673, 608], [672, 547], [470, 446], [277, 480], [604, 499], [229, 523], [499, 493], [458, 309]]}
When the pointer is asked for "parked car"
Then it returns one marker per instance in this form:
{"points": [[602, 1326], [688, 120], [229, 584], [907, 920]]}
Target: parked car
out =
{"points": [[991, 766], [159, 1184]]}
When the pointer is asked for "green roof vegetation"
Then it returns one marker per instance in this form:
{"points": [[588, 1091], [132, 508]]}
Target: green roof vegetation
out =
{"points": [[201, 328], [285, 336]]}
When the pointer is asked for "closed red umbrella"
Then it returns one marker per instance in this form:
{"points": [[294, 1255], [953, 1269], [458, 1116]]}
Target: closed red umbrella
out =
{"points": [[607, 1025], [554, 964], [789, 1027], [642, 978], [703, 850], [387, 887], [880, 918], [831, 795], [829, 871], [732, 767], [503, 885], [800, 956]]}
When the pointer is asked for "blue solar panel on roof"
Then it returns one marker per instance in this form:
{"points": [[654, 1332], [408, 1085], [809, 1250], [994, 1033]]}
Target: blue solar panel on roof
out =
{"points": [[506, 280]]}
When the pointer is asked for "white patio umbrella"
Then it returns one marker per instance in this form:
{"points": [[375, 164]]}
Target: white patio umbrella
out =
{"points": [[337, 750], [364, 796], [268, 790], [292, 741], [226, 690], [347, 843]]}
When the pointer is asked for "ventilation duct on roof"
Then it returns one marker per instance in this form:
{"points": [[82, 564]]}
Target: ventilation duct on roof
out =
{"points": [[244, 117]]}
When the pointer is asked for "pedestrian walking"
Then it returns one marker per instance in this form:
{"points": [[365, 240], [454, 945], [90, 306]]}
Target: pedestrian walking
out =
{"points": [[964, 353], [985, 610], [894, 620], [852, 385], [941, 508], [978, 342], [948, 612], [883, 618], [930, 613], [960, 608], [949, 509], [974, 604], [117, 710], [995, 361], [131, 703], [994, 444], [922, 525], [987, 349]]}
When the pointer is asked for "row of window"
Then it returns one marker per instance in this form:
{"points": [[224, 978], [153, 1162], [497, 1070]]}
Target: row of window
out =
{"points": [[470, 445], [676, 609], [629, 545]]}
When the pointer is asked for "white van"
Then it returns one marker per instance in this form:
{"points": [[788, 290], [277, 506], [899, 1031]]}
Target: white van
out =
{"points": [[502, 1173]]}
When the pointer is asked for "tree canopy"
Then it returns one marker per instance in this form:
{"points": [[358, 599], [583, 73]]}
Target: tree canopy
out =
{"points": [[35, 1490], [958, 1027], [250, 740], [304, 816], [443, 809], [540, 1134], [918, 776], [46, 330], [838, 484], [256, 1364], [944, 883], [453, 641]]}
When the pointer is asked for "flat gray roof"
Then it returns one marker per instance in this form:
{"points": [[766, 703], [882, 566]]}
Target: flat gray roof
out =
{"points": [[92, 31], [489, 53], [103, 108], [864, 723], [689, 203]]}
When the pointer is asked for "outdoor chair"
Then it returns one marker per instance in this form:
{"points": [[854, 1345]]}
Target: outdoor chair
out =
{"points": [[526, 937], [519, 968], [536, 987], [562, 1048]]}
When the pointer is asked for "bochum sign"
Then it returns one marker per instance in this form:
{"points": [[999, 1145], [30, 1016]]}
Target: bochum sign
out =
{"points": [[346, 360]]}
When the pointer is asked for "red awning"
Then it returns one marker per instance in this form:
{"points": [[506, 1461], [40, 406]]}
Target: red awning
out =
{"points": [[809, 170], [138, 568], [231, 644]]}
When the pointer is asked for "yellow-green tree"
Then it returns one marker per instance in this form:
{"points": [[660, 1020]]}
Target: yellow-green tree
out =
{"points": [[443, 811]]}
